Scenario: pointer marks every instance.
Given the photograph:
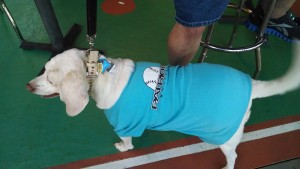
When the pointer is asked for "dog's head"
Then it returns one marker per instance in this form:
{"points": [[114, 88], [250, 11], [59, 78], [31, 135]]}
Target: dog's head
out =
{"points": [[64, 76]]}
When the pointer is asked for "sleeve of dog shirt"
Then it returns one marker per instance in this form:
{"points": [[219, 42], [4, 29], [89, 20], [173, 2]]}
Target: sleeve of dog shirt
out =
{"points": [[123, 125]]}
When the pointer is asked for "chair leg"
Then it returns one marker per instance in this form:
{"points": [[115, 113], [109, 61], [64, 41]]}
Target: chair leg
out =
{"points": [[259, 36], [203, 54], [12, 21], [258, 63], [237, 18]]}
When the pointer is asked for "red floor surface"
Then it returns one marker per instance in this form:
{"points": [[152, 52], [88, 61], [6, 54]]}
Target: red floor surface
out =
{"points": [[252, 154]]}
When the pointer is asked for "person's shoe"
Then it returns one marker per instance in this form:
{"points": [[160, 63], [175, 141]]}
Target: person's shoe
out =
{"points": [[285, 27]]}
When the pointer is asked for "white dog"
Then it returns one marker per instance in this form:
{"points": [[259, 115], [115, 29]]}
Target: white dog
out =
{"points": [[206, 100]]}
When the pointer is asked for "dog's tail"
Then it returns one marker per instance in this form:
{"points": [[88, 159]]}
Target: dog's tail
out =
{"points": [[288, 82]]}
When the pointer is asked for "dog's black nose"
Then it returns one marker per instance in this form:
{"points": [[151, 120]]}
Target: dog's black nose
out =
{"points": [[29, 87]]}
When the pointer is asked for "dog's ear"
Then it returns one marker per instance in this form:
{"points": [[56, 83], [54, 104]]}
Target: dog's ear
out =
{"points": [[74, 92]]}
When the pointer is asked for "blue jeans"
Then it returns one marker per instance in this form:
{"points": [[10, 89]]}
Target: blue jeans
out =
{"points": [[194, 13]]}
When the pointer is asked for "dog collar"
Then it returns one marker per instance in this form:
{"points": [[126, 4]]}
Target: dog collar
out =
{"points": [[97, 63]]}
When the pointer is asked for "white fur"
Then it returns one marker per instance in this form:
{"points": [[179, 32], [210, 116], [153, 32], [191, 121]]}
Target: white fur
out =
{"points": [[65, 74], [109, 86]]}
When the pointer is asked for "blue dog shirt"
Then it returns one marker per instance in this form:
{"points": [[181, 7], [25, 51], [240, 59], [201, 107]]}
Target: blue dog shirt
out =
{"points": [[204, 100]]}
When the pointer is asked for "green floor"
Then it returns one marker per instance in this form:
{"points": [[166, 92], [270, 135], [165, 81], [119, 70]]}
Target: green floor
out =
{"points": [[37, 133]]}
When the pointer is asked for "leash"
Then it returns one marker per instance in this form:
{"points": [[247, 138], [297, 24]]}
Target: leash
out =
{"points": [[91, 53], [91, 13], [95, 63]]}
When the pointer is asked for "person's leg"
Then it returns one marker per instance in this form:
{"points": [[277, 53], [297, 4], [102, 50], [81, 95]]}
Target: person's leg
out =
{"points": [[280, 9], [192, 16], [183, 43], [282, 22]]}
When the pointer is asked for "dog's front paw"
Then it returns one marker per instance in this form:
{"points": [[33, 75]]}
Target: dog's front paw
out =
{"points": [[121, 146]]}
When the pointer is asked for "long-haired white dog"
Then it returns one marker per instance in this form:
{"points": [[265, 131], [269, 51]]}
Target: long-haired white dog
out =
{"points": [[206, 100]]}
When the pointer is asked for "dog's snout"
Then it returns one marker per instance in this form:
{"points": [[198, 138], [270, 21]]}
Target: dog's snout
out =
{"points": [[29, 87]]}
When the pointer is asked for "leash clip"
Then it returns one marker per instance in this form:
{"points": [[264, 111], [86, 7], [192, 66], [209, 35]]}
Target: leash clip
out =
{"points": [[90, 40]]}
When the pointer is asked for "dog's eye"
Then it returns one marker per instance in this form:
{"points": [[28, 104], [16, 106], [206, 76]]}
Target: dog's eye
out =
{"points": [[49, 80]]}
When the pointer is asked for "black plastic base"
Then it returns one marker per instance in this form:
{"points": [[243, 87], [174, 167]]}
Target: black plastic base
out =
{"points": [[68, 41]]}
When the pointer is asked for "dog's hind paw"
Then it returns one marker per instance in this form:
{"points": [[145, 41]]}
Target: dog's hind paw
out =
{"points": [[121, 146]]}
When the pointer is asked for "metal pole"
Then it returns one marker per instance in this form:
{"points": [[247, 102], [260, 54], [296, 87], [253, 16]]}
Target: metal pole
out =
{"points": [[237, 18], [260, 35], [12, 21], [203, 54]]}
